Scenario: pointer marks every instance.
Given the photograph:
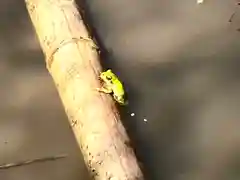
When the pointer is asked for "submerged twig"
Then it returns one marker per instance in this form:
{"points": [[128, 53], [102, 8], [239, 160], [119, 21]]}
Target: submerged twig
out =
{"points": [[233, 14], [27, 162], [231, 17]]}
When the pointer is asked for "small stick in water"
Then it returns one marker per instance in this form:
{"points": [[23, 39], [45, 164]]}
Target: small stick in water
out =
{"points": [[233, 14], [27, 162]]}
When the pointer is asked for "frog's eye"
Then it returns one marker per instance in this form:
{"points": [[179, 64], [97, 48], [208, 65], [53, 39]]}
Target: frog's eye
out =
{"points": [[108, 77]]}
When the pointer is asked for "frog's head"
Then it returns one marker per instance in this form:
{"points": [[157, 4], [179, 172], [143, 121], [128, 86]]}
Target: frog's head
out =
{"points": [[107, 76]]}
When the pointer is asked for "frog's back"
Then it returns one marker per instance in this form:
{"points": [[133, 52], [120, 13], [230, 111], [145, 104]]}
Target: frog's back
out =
{"points": [[118, 88]]}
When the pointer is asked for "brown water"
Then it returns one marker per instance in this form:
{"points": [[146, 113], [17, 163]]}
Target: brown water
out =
{"points": [[180, 64]]}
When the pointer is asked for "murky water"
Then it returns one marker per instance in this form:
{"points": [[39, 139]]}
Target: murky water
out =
{"points": [[180, 64]]}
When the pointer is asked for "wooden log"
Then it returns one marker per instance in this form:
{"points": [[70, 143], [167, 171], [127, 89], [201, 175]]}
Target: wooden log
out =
{"points": [[73, 63]]}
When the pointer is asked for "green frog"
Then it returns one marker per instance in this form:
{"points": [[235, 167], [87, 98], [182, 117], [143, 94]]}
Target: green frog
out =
{"points": [[112, 85]]}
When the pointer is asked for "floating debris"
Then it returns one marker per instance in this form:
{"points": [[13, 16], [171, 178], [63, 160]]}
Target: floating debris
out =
{"points": [[132, 114], [200, 1]]}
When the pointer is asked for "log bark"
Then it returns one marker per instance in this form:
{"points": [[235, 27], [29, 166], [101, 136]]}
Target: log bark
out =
{"points": [[73, 63]]}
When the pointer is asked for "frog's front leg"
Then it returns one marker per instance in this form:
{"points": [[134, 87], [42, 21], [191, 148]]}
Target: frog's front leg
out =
{"points": [[104, 90]]}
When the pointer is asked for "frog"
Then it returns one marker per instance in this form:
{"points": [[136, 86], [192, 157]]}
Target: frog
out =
{"points": [[112, 85]]}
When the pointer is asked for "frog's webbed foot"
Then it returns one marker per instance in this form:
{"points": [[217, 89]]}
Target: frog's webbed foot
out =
{"points": [[104, 90]]}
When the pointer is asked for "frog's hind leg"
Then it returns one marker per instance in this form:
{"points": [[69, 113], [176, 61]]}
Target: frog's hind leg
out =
{"points": [[119, 99]]}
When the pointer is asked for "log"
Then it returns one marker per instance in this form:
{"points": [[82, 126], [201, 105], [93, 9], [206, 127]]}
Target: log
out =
{"points": [[73, 62]]}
